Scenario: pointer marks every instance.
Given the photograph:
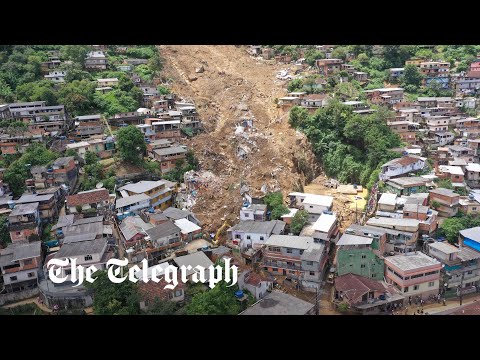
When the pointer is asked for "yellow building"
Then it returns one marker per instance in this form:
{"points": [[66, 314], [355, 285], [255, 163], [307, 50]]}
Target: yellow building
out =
{"points": [[160, 192]]}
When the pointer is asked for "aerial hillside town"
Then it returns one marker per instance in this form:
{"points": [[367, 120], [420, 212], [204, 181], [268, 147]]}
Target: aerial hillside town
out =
{"points": [[339, 180]]}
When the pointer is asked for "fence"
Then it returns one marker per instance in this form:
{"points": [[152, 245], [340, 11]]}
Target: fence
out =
{"points": [[18, 296]]}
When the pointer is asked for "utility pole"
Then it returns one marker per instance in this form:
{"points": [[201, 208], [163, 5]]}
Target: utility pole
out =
{"points": [[461, 288]]}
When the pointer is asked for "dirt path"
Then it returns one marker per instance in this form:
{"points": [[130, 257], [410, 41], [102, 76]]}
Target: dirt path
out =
{"points": [[233, 85]]}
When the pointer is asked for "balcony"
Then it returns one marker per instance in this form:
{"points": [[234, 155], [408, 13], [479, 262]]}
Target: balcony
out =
{"points": [[281, 265]]}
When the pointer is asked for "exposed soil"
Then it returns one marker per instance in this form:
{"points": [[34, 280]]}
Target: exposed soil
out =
{"points": [[232, 85]]}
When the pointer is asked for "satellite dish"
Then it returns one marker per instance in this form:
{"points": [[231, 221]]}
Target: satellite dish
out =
{"points": [[99, 185]]}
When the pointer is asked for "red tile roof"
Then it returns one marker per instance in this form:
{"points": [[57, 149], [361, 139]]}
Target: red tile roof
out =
{"points": [[150, 290], [90, 197], [473, 74], [355, 286], [406, 160]]}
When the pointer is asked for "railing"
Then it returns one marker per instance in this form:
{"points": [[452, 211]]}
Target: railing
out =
{"points": [[283, 266]]}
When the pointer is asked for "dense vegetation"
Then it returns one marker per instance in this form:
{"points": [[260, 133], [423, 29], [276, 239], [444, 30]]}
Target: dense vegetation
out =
{"points": [[21, 78], [19, 170], [299, 220], [351, 147], [274, 202], [451, 227]]}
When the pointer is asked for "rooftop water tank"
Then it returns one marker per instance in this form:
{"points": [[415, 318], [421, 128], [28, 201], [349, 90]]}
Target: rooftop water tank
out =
{"points": [[239, 294], [11, 204]]}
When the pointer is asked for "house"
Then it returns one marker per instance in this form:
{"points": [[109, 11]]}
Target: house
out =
{"points": [[169, 129], [56, 76], [387, 202], [96, 60], [401, 166], [37, 112], [298, 257], [279, 303], [177, 214], [24, 222], [315, 205], [453, 173], [365, 295], [325, 229], [287, 102], [405, 129], [402, 234], [65, 171], [97, 199], [80, 148], [193, 260], [133, 230], [435, 72], [396, 73], [472, 175], [446, 201], [385, 96], [253, 234], [188, 230], [255, 212], [360, 76], [328, 67], [443, 138], [361, 255], [475, 65], [467, 82], [168, 157], [107, 82], [63, 221], [47, 205], [155, 144], [315, 101], [407, 185], [258, 285], [19, 264], [470, 204], [287, 218], [426, 216], [460, 266], [151, 291], [132, 203], [163, 237], [414, 274], [160, 194], [9, 148]]}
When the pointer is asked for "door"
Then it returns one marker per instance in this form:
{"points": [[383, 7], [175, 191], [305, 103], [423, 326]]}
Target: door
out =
{"points": [[284, 272]]}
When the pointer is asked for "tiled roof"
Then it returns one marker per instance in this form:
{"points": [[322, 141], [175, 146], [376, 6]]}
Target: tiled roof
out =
{"points": [[88, 197], [354, 286], [151, 290]]}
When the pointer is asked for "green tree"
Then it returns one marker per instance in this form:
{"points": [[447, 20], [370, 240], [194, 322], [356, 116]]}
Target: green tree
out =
{"points": [[163, 90], [299, 220], [75, 53], [4, 234], [217, 301], [91, 158], [411, 76], [113, 299], [297, 116], [274, 201], [161, 307], [451, 227], [131, 144]]}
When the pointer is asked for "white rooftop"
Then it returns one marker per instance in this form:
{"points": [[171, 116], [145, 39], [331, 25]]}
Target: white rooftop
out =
{"points": [[455, 170], [291, 213], [77, 145], [388, 199], [444, 247], [321, 200], [474, 167], [186, 226], [348, 239], [324, 223], [411, 261]]}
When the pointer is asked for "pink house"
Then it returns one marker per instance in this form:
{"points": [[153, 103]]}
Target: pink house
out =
{"points": [[414, 274], [475, 65]]}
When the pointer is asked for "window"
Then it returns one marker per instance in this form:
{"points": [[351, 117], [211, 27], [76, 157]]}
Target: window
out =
{"points": [[178, 293], [31, 274], [312, 273], [172, 241], [88, 257], [469, 272], [13, 278], [311, 206], [364, 256], [237, 236], [362, 266], [310, 263], [262, 238], [474, 209], [18, 233], [431, 283], [418, 275], [374, 275], [27, 261], [301, 252], [289, 251], [248, 237], [415, 287], [405, 289], [246, 214], [274, 248], [430, 273]]}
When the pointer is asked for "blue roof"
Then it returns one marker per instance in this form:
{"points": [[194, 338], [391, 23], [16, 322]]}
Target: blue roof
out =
{"points": [[471, 244]]}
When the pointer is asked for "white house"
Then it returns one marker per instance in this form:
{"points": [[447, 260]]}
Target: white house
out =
{"points": [[401, 166], [132, 203], [56, 76], [255, 212], [80, 148], [325, 228], [312, 203], [254, 234]]}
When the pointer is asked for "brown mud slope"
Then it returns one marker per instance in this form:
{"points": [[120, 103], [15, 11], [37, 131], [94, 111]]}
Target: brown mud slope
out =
{"points": [[234, 84]]}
